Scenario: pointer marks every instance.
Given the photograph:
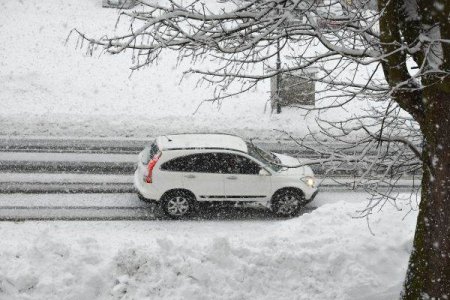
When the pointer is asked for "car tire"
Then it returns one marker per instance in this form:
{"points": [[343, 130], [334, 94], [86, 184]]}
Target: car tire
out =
{"points": [[178, 204], [287, 203]]}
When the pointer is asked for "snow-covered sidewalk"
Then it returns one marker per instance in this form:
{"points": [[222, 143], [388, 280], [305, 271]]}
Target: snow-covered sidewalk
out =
{"points": [[325, 254]]}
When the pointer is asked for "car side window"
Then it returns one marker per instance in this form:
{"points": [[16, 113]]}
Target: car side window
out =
{"points": [[237, 164], [205, 163], [198, 163], [177, 164]]}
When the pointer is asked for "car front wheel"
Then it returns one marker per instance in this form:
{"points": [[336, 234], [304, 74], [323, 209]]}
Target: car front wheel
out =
{"points": [[287, 203]]}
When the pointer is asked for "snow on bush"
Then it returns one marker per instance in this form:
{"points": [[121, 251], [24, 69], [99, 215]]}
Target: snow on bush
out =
{"points": [[326, 254]]}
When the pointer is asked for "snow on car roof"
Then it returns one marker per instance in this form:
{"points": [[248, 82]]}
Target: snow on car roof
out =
{"points": [[207, 140]]}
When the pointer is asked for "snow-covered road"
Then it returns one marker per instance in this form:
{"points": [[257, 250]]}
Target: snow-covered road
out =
{"points": [[90, 155], [105, 165], [116, 145], [125, 206], [39, 176]]}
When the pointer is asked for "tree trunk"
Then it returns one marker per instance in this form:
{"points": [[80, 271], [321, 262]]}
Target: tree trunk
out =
{"points": [[428, 275]]}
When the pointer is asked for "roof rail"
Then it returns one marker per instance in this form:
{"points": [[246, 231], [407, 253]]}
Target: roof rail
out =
{"points": [[203, 148], [186, 133]]}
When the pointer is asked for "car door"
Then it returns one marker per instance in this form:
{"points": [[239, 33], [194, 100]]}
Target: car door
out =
{"points": [[201, 176], [242, 178]]}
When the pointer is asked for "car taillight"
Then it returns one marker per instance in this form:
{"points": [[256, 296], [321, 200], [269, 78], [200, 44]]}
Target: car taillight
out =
{"points": [[150, 166]]}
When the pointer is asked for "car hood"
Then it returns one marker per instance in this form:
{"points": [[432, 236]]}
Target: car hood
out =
{"points": [[292, 161]]}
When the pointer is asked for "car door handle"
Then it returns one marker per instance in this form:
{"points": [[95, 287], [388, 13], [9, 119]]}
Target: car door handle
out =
{"points": [[232, 177], [190, 176]]}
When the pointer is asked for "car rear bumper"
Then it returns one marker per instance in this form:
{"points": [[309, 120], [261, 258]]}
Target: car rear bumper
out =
{"points": [[143, 191]]}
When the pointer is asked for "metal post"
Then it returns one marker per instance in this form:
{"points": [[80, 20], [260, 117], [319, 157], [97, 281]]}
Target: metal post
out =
{"points": [[278, 67]]}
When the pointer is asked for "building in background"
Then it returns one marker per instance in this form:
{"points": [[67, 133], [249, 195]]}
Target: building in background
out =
{"points": [[123, 4]]}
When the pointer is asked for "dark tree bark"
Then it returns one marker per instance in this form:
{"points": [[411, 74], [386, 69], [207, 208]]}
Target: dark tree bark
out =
{"points": [[428, 272]]}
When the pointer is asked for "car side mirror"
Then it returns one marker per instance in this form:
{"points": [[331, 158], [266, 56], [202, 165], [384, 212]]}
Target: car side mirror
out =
{"points": [[264, 172]]}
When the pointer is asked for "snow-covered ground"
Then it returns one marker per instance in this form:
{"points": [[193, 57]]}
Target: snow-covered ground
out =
{"points": [[324, 254], [50, 88]]}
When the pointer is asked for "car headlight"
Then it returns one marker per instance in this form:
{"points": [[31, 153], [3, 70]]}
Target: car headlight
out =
{"points": [[309, 181]]}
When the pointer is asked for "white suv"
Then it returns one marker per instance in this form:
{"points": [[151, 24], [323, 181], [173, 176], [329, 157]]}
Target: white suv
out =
{"points": [[179, 170]]}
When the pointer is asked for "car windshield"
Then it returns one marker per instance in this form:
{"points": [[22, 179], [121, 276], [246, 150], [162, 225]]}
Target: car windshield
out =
{"points": [[268, 158]]}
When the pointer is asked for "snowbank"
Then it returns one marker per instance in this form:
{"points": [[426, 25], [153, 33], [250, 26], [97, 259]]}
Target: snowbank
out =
{"points": [[326, 254]]}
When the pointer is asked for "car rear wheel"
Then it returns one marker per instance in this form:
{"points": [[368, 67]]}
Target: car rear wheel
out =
{"points": [[178, 204], [287, 203]]}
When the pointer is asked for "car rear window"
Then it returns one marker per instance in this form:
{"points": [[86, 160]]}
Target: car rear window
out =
{"points": [[149, 152]]}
